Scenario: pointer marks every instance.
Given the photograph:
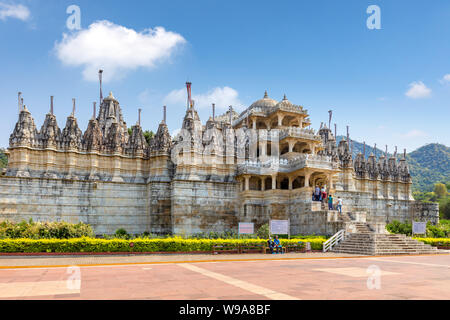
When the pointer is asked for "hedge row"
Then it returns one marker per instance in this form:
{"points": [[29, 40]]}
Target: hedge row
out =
{"points": [[436, 242], [135, 245]]}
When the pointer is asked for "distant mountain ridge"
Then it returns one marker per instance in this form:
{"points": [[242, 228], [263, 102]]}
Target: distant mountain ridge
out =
{"points": [[430, 164]]}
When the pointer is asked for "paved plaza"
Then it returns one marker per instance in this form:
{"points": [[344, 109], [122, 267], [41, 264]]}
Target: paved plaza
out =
{"points": [[235, 277]]}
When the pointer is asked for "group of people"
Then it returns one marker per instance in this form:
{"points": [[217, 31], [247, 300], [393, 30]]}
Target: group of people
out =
{"points": [[275, 245], [321, 195]]}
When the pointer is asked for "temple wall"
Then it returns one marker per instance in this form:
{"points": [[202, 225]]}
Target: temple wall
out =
{"points": [[200, 206], [106, 206]]}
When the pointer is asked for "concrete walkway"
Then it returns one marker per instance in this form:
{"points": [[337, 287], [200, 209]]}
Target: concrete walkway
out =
{"points": [[64, 261]]}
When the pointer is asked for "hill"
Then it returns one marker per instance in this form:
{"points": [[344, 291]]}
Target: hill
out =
{"points": [[429, 164]]}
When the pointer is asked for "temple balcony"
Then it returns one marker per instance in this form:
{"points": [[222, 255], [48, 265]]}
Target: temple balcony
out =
{"points": [[295, 132], [286, 166]]}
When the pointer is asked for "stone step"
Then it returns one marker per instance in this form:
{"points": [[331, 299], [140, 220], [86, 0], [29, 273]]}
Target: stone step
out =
{"points": [[366, 242]]}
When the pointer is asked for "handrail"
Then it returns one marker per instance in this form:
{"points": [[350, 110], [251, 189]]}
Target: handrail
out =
{"points": [[334, 241]]}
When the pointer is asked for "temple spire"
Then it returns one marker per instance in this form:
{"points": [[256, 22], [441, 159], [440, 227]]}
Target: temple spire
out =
{"points": [[265, 95]]}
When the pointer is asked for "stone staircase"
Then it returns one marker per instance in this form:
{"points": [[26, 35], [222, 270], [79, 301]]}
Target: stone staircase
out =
{"points": [[362, 239], [368, 243]]}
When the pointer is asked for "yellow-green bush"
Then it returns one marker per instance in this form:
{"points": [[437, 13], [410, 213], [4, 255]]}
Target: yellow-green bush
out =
{"points": [[139, 245], [436, 242]]}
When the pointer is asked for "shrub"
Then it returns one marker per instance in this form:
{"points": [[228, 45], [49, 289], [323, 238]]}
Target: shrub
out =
{"points": [[175, 244], [263, 232], [442, 230], [44, 230], [122, 234]]}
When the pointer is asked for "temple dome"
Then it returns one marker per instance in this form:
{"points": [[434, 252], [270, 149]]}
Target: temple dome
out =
{"points": [[264, 103]]}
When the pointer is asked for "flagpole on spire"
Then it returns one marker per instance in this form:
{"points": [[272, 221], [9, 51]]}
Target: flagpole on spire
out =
{"points": [[188, 87], [100, 78], [95, 111], [164, 114], [20, 101], [73, 107], [51, 105]]}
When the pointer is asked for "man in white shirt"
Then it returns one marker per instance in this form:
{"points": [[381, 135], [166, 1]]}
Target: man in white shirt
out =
{"points": [[339, 204]]}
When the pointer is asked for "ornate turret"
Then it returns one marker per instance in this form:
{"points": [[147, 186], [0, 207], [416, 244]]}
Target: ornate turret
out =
{"points": [[393, 168], [161, 142], [193, 125], [360, 166], [113, 142], [137, 145], [372, 167], [403, 169], [25, 133], [383, 168], [344, 154], [110, 112], [50, 134], [71, 135], [93, 137]]}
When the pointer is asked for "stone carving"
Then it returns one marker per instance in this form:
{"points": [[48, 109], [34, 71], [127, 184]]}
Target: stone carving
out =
{"points": [[25, 132], [71, 135], [50, 134]]}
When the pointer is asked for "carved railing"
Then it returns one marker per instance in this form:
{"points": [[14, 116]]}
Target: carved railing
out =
{"points": [[285, 166]]}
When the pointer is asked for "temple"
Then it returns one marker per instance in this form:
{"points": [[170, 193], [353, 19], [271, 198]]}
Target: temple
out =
{"points": [[255, 166]]}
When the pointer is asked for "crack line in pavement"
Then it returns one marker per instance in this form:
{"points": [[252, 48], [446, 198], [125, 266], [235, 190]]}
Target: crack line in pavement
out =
{"points": [[240, 284]]}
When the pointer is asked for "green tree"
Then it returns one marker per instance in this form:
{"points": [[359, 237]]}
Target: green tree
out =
{"points": [[440, 190]]}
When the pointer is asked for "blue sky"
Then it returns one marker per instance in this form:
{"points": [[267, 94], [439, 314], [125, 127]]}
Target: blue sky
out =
{"points": [[392, 86]]}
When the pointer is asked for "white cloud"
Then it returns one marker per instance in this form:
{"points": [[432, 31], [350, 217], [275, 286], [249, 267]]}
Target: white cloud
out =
{"points": [[414, 134], [418, 90], [222, 97], [445, 79], [16, 11], [116, 49]]}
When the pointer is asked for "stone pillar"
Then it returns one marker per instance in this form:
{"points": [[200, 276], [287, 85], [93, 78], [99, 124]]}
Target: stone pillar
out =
{"points": [[254, 123], [307, 177], [274, 182], [291, 180], [263, 183], [291, 145], [280, 120], [247, 183]]}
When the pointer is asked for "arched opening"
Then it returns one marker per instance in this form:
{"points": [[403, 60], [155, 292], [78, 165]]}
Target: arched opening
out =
{"points": [[268, 184], [284, 148], [284, 183], [299, 147], [274, 123], [269, 148], [287, 121], [255, 184], [261, 125], [298, 183], [307, 151]]}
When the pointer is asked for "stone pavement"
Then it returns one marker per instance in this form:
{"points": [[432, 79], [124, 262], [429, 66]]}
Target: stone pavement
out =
{"points": [[254, 277]]}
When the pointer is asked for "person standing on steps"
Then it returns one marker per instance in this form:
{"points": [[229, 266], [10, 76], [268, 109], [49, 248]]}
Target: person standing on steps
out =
{"points": [[339, 204], [330, 202]]}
